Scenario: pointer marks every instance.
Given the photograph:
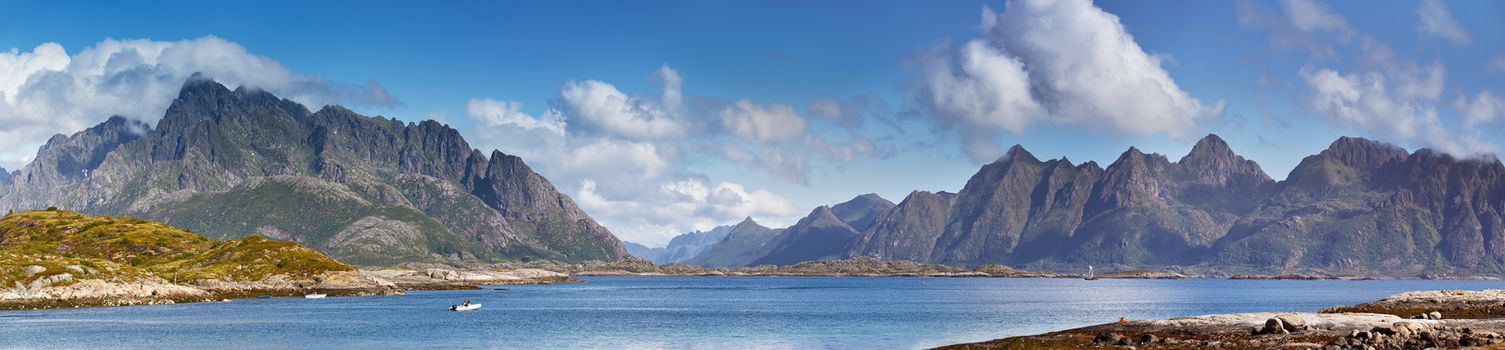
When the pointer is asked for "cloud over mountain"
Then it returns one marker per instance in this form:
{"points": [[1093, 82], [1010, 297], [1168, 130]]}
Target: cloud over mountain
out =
{"points": [[1062, 62], [1357, 81], [46, 91]]}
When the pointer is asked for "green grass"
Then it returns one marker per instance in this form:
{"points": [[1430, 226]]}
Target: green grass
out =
{"points": [[126, 249], [315, 216]]}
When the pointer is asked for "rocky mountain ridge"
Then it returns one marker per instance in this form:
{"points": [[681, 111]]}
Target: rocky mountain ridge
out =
{"points": [[366, 190], [1359, 207]]}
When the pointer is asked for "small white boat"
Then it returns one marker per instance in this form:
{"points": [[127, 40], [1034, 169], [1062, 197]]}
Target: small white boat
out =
{"points": [[468, 307], [315, 296]]}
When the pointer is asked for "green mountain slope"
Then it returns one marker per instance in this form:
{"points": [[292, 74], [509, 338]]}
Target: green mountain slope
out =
{"points": [[54, 243]]}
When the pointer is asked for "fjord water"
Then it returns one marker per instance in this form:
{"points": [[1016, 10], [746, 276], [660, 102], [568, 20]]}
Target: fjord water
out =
{"points": [[685, 312]]}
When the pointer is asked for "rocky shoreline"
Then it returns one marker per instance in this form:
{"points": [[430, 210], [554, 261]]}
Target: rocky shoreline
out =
{"points": [[1412, 320], [156, 291]]}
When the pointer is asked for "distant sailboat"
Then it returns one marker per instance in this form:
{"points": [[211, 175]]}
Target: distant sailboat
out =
{"points": [[1090, 275]]}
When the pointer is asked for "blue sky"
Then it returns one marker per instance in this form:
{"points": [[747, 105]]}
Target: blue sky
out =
{"points": [[758, 132]]}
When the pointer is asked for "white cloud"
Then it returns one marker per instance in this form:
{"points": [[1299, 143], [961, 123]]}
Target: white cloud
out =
{"points": [[1061, 62], [764, 124], [687, 205], [985, 88], [497, 113], [1485, 108], [1254, 15], [673, 96], [1437, 21], [46, 91], [1371, 103], [1384, 94], [624, 157], [1312, 16], [599, 107]]}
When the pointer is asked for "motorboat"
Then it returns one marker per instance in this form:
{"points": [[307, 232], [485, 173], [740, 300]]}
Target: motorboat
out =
{"points": [[465, 307]]}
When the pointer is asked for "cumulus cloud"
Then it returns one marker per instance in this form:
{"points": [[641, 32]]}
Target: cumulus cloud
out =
{"points": [[46, 91], [851, 113], [1380, 93], [1437, 21], [1483, 109], [1062, 62], [627, 158], [1371, 102], [694, 205], [598, 107], [764, 124], [496, 113]]}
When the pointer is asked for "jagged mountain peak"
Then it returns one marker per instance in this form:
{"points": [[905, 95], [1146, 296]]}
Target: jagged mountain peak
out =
{"points": [[1017, 152], [1210, 147], [862, 211], [1363, 153], [822, 212], [1134, 159], [1091, 164], [1212, 161], [862, 201], [748, 225], [202, 97]]}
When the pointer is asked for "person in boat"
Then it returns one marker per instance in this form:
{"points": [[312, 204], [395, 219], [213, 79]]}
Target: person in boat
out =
{"points": [[467, 303]]}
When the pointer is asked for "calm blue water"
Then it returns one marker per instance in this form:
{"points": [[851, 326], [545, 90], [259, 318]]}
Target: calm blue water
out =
{"points": [[685, 312]]}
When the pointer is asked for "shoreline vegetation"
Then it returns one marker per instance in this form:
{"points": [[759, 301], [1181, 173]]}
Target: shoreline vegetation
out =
{"points": [[1409, 320], [56, 258]]}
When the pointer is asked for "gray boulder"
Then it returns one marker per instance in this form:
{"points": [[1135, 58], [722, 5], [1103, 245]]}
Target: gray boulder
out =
{"points": [[33, 270]]}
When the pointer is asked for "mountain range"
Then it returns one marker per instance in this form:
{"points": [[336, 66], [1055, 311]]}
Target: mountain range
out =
{"points": [[366, 190], [1358, 207], [682, 247], [376, 191]]}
